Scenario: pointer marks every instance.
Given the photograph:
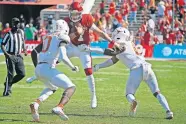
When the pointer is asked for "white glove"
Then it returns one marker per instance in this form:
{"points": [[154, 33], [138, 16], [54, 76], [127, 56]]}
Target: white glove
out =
{"points": [[75, 69], [84, 48], [96, 68]]}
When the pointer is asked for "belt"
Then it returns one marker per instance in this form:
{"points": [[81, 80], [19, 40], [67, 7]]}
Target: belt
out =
{"points": [[43, 63], [11, 53]]}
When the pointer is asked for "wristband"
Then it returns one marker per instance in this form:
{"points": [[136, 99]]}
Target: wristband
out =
{"points": [[111, 44]]}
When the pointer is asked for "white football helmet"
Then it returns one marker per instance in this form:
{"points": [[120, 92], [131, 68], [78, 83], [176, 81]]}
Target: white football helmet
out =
{"points": [[62, 26], [121, 35]]}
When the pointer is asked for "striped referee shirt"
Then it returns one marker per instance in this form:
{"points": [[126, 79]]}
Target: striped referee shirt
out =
{"points": [[14, 41]]}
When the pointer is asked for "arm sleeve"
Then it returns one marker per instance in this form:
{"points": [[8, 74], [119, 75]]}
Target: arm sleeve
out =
{"points": [[63, 57], [109, 62], [93, 27], [97, 50], [105, 64], [5, 39], [34, 54]]}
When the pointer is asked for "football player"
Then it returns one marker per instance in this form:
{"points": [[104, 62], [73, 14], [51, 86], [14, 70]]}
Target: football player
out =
{"points": [[79, 25], [53, 45], [139, 70]]}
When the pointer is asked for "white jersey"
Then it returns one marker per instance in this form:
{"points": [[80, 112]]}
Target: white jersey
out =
{"points": [[129, 57], [50, 49]]}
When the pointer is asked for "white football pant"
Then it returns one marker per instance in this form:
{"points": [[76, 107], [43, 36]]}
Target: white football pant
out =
{"points": [[144, 72], [52, 78]]}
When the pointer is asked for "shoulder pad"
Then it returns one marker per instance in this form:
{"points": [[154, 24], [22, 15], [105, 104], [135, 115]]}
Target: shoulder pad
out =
{"points": [[64, 38]]}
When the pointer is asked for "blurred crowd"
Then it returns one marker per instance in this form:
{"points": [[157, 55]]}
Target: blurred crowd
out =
{"points": [[156, 16], [150, 21], [32, 28]]}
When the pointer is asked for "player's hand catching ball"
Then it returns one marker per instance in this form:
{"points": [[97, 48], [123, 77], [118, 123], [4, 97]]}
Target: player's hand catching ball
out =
{"points": [[118, 47]]}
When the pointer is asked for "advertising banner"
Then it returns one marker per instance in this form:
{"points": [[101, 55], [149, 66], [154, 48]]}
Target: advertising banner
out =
{"points": [[160, 51], [30, 45], [99, 45], [0, 48], [170, 51]]}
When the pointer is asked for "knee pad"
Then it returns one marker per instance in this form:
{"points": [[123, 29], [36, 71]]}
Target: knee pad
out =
{"points": [[88, 71], [156, 93]]}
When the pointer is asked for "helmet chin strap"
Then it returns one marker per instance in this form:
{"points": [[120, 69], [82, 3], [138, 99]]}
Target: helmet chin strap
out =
{"points": [[76, 19]]}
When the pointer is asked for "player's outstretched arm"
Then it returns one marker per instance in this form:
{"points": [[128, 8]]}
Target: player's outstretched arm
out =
{"points": [[113, 51], [63, 57], [105, 36], [107, 63], [108, 51], [34, 53]]}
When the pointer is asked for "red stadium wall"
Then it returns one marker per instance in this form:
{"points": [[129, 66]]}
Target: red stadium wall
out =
{"points": [[41, 2], [31, 44]]}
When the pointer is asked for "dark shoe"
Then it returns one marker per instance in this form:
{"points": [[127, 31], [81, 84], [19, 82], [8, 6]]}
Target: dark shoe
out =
{"points": [[7, 90], [6, 94]]}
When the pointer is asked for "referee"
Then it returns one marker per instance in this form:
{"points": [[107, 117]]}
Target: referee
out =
{"points": [[12, 45]]}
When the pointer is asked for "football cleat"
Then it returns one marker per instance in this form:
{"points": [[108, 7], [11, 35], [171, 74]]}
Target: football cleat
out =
{"points": [[34, 110], [169, 115], [133, 108], [31, 79], [58, 111], [93, 102]]}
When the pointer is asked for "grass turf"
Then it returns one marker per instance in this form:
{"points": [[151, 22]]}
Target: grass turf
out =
{"points": [[110, 86]]}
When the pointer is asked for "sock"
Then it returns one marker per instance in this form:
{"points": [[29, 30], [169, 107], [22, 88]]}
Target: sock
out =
{"points": [[34, 77], [45, 94], [130, 98], [91, 84], [36, 105], [163, 102]]}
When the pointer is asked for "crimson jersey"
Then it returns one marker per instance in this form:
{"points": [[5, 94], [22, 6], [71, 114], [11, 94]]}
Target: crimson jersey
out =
{"points": [[86, 22]]}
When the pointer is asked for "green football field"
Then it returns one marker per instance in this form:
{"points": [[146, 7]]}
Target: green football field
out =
{"points": [[110, 86]]}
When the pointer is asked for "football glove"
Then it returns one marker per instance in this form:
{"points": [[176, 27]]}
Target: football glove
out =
{"points": [[114, 51], [75, 69], [96, 68]]}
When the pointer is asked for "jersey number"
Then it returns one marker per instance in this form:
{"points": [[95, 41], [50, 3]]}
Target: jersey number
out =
{"points": [[46, 43]]}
